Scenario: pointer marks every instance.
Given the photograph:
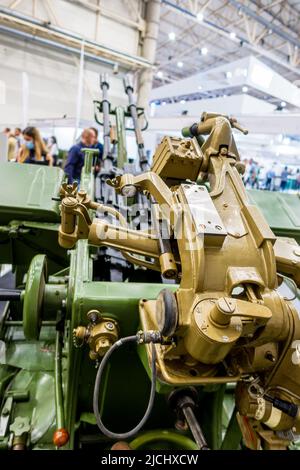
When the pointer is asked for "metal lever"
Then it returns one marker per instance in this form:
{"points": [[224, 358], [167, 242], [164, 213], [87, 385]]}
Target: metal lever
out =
{"points": [[183, 402]]}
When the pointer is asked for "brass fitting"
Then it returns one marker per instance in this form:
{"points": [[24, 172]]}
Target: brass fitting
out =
{"points": [[100, 334], [167, 265]]}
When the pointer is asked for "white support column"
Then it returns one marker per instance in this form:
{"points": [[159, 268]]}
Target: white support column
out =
{"points": [[79, 91], [25, 99], [149, 50]]}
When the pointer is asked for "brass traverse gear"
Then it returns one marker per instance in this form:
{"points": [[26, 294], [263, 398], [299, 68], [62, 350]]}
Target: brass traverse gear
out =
{"points": [[225, 321]]}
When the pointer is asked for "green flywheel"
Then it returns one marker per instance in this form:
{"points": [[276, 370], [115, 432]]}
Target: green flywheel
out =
{"points": [[33, 298]]}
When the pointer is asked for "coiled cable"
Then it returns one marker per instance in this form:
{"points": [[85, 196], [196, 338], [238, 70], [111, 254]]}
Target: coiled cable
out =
{"points": [[132, 432]]}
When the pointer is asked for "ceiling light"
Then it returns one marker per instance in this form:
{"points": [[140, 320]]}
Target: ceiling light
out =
{"points": [[160, 74], [163, 103], [232, 35], [199, 87], [283, 104], [180, 64], [200, 16], [182, 101], [244, 89], [228, 74], [172, 36], [204, 50]]}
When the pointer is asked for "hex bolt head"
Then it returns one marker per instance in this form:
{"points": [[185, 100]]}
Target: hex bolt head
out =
{"points": [[109, 326]]}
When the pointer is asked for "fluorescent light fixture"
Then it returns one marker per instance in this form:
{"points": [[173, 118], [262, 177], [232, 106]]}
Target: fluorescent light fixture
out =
{"points": [[172, 36], [244, 89], [261, 76], [180, 64], [200, 16], [204, 50], [232, 35]]}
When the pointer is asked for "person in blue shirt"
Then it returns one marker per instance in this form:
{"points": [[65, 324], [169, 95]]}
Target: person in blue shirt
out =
{"points": [[284, 178], [96, 145], [75, 160]]}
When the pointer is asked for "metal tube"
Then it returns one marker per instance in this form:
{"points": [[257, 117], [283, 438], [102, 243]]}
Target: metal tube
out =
{"points": [[260, 19], [137, 130], [107, 159], [121, 136], [20, 323], [79, 91], [55, 30], [52, 44], [59, 404], [195, 428], [10, 294]]}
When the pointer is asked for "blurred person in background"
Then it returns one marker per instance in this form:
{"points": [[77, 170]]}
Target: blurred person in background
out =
{"points": [[96, 145], [269, 179], [75, 160], [284, 178], [298, 179], [53, 149], [12, 144], [19, 136], [252, 179], [34, 150]]}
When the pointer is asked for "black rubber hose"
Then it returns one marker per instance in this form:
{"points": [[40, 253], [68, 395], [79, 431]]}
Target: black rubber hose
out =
{"points": [[101, 368], [13, 294]]}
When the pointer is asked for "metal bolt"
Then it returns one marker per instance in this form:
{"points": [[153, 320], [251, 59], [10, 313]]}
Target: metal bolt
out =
{"points": [[109, 326]]}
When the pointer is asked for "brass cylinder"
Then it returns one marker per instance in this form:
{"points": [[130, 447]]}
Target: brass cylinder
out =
{"points": [[167, 265], [68, 218], [207, 342], [222, 311]]}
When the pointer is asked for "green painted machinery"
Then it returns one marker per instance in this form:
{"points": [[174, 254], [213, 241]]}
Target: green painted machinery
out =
{"points": [[46, 381], [282, 211]]}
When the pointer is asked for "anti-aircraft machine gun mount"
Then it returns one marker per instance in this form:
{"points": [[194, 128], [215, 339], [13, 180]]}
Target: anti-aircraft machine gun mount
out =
{"points": [[225, 322], [217, 326]]}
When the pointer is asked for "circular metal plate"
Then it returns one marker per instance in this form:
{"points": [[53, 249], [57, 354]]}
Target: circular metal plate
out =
{"points": [[33, 298], [166, 312]]}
